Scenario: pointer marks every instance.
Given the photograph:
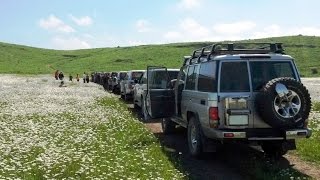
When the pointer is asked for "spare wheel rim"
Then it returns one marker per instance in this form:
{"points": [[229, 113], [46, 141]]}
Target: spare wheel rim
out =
{"points": [[288, 106]]}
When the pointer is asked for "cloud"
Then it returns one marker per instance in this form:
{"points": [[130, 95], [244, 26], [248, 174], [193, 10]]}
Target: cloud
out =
{"points": [[143, 25], [69, 43], [172, 35], [234, 28], [81, 21], [188, 30], [189, 4], [53, 23]]}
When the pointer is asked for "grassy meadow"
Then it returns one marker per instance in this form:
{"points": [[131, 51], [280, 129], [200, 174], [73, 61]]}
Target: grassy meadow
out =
{"points": [[74, 132], [19, 59]]}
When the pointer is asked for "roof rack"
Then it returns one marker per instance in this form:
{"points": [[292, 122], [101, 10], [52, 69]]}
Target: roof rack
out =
{"points": [[235, 48]]}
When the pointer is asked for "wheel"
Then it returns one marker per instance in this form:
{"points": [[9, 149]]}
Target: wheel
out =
{"points": [[135, 106], [144, 113], [168, 126], [273, 149], [194, 138], [284, 103]]}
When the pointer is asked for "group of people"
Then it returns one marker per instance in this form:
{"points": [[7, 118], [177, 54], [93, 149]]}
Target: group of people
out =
{"points": [[58, 75]]}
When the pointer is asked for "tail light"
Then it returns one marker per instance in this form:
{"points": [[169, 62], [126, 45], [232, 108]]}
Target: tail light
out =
{"points": [[213, 117]]}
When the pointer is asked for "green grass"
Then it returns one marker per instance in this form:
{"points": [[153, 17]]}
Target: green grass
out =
{"points": [[27, 60], [309, 149], [128, 150]]}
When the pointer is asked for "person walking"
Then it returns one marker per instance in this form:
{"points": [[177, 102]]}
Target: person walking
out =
{"points": [[70, 77], [84, 77], [87, 78], [56, 74], [78, 78], [61, 76]]}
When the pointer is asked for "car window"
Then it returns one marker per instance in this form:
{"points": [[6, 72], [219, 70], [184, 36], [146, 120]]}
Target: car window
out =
{"points": [[158, 79], [207, 77], [191, 78], [136, 75], [234, 77], [122, 75], [263, 72], [143, 79], [173, 75]]}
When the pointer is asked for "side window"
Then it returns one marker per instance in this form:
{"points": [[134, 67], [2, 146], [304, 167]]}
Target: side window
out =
{"points": [[144, 79], [207, 81], [191, 78], [234, 77]]}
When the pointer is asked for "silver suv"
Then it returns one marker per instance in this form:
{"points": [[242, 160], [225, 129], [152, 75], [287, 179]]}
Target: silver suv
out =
{"points": [[235, 92]]}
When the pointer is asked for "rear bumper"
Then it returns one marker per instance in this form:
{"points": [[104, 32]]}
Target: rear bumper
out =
{"points": [[251, 136]]}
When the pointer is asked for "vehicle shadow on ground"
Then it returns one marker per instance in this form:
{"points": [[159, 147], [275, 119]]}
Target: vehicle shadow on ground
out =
{"points": [[232, 161]]}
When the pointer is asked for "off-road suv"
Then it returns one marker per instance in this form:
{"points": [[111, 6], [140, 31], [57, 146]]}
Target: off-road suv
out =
{"points": [[235, 92]]}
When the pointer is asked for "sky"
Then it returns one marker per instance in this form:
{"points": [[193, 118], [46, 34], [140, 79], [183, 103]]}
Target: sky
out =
{"points": [[82, 24]]}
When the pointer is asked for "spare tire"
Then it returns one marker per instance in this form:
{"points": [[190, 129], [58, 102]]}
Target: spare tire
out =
{"points": [[284, 111]]}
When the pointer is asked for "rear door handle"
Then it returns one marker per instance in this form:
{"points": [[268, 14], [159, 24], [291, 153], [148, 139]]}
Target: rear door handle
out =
{"points": [[203, 102]]}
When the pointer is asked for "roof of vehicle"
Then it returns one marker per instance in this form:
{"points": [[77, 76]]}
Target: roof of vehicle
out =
{"points": [[238, 51], [137, 71], [252, 56]]}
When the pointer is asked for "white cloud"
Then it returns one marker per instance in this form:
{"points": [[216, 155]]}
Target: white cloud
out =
{"points": [[310, 31], [188, 30], [273, 30], [55, 24], [234, 28], [81, 21], [69, 43], [143, 25], [173, 35], [189, 4]]}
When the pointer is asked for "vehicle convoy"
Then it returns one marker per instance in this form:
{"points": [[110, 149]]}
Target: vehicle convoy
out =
{"points": [[119, 78], [158, 75], [127, 84], [242, 92]]}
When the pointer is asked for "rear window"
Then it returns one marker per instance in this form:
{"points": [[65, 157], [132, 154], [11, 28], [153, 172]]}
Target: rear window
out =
{"points": [[263, 72], [136, 75], [234, 77], [122, 75]]}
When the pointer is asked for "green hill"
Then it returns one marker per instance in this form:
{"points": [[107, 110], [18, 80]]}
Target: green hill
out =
{"points": [[28, 60]]}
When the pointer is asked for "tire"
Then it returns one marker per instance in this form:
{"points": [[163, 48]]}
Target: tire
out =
{"points": [[284, 113], [168, 126], [135, 106], [144, 113], [273, 149], [194, 138]]}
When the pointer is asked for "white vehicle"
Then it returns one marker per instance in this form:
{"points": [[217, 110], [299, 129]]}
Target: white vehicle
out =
{"points": [[119, 78], [157, 83], [126, 86]]}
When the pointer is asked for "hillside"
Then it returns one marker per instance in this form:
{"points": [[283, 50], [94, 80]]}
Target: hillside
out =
{"points": [[28, 60]]}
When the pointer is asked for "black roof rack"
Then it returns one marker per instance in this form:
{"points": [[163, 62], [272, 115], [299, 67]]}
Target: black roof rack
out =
{"points": [[235, 48]]}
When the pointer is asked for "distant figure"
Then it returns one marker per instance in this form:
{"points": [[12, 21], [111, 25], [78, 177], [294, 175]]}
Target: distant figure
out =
{"points": [[56, 74], [70, 77], [78, 78], [84, 77], [87, 78], [61, 76]]}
